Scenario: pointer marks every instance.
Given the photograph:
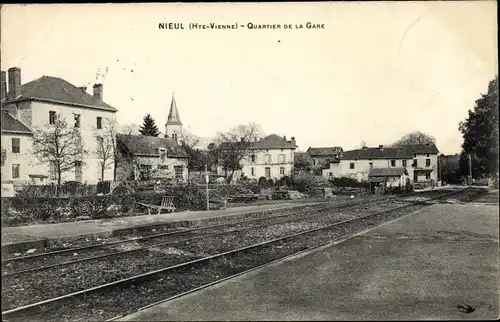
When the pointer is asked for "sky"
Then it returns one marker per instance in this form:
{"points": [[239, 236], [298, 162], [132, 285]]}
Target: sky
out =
{"points": [[376, 71]]}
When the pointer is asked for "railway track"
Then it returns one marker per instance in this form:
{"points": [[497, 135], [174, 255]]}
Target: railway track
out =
{"points": [[25, 264], [128, 294], [102, 269]]}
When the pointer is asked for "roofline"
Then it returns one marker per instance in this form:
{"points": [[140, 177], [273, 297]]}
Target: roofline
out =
{"points": [[37, 99], [378, 158], [16, 132], [157, 156], [270, 148]]}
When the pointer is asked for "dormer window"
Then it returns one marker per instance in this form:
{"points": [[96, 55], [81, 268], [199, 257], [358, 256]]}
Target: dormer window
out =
{"points": [[163, 153]]}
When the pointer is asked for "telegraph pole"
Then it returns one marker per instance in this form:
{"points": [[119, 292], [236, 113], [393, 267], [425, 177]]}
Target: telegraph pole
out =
{"points": [[470, 169], [206, 180]]}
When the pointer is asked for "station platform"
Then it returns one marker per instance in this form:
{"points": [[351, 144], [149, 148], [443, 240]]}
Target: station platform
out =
{"points": [[22, 238], [420, 267], [14, 235]]}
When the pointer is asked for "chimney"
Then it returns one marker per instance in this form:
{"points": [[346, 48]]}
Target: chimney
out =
{"points": [[84, 89], [284, 137], [293, 140], [381, 147], [365, 147], [3, 78], [14, 82], [98, 91]]}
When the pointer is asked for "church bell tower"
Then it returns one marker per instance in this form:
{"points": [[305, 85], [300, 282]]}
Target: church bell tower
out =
{"points": [[173, 127]]}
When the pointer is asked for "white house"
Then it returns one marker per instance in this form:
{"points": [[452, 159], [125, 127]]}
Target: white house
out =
{"points": [[418, 162], [271, 157], [36, 105]]}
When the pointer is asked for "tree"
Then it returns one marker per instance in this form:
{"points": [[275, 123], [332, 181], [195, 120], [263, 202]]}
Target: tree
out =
{"points": [[195, 159], [480, 134], [416, 137], [233, 146], [302, 162], [149, 127], [107, 151], [60, 146]]}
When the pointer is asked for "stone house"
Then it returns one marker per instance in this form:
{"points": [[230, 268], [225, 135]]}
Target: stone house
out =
{"points": [[418, 162], [148, 157], [322, 156], [36, 105]]}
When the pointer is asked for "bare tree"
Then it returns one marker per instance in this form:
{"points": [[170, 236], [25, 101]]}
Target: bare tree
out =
{"points": [[233, 147], [189, 139], [107, 150], [60, 146], [415, 138]]}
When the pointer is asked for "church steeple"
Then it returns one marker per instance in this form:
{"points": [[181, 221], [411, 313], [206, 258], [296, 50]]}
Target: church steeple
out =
{"points": [[173, 127], [173, 115]]}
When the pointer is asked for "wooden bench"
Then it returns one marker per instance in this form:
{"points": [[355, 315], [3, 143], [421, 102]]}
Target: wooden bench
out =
{"points": [[166, 203]]}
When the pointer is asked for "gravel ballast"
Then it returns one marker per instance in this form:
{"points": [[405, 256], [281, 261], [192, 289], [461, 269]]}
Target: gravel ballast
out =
{"points": [[125, 299]]}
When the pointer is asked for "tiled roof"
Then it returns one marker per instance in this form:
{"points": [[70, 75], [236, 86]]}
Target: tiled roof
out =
{"points": [[422, 148], [327, 151], [377, 153], [148, 145], [273, 141], [386, 172], [57, 90], [403, 152], [11, 124]]}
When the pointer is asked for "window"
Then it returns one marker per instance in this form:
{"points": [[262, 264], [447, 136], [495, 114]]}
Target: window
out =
{"points": [[179, 171], [351, 165], [268, 172], [163, 153], [145, 171], [281, 150], [427, 162], [282, 170], [371, 165], [253, 158], [281, 158], [16, 145], [174, 137], [427, 176], [52, 172], [268, 158], [99, 123], [52, 117], [163, 167], [78, 171], [427, 154], [15, 171], [404, 163], [393, 163], [252, 171], [330, 174], [100, 141], [415, 163], [77, 120]]}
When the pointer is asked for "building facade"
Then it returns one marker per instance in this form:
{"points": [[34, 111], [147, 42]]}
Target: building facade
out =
{"points": [[271, 157], [149, 158], [420, 162], [36, 105], [322, 156]]}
